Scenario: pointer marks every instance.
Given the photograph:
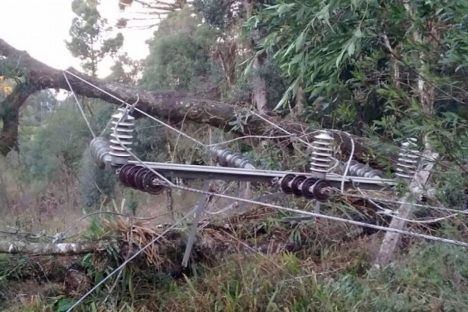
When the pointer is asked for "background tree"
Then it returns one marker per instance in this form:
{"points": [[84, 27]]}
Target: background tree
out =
{"points": [[125, 70], [235, 47], [91, 39], [180, 55]]}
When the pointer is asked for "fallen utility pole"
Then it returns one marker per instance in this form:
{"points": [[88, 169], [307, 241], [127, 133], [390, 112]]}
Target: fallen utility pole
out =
{"points": [[416, 187]]}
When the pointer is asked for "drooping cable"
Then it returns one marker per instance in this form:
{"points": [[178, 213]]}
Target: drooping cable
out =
{"points": [[253, 202], [351, 155], [441, 208], [79, 105], [281, 128], [138, 110], [393, 214], [313, 214]]}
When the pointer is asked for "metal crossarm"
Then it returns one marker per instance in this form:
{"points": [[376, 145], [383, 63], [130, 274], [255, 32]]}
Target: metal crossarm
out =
{"points": [[172, 170]]}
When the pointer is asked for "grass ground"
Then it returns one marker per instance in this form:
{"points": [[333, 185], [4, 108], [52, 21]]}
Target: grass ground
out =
{"points": [[332, 276]]}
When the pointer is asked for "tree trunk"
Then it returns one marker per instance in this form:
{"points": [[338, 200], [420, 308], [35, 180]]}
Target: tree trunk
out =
{"points": [[62, 249], [9, 114], [259, 88]]}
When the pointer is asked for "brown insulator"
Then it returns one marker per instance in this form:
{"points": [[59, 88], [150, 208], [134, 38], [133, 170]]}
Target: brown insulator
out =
{"points": [[138, 178], [296, 184], [285, 183], [322, 190], [123, 173], [307, 188]]}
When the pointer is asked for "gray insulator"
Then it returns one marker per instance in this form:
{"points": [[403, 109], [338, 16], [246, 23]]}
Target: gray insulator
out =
{"points": [[322, 152], [358, 169], [99, 149], [228, 158], [408, 159], [121, 137]]}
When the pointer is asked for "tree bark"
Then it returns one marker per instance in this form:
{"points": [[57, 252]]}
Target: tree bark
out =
{"points": [[259, 88], [9, 114], [49, 249], [171, 106]]}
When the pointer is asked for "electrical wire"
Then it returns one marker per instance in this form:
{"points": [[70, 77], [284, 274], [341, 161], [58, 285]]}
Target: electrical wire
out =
{"points": [[79, 106], [138, 110], [252, 137], [327, 217], [281, 129], [441, 208], [239, 199], [175, 129], [313, 214], [394, 214], [351, 155]]}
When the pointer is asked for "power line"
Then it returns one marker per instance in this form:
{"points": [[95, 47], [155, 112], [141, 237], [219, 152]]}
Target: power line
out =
{"points": [[327, 217], [79, 106], [234, 198], [395, 216], [137, 109], [313, 214], [442, 208]]}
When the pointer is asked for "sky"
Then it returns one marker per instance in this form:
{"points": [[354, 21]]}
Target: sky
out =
{"points": [[41, 27]]}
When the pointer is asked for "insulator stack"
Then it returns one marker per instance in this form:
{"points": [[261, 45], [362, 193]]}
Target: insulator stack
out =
{"points": [[322, 152], [358, 169], [408, 159], [140, 178], [227, 158], [310, 188], [99, 149], [122, 137]]}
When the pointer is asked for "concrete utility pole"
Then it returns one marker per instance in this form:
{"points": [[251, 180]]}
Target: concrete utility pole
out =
{"points": [[416, 187]]}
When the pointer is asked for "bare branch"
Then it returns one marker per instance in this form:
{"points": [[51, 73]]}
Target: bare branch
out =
{"points": [[62, 249]]}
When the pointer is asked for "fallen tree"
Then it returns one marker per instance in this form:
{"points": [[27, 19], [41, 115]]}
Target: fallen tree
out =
{"points": [[172, 106], [50, 249], [237, 234]]}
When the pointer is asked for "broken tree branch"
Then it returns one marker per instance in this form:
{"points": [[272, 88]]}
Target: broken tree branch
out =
{"points": [[49, 249]]}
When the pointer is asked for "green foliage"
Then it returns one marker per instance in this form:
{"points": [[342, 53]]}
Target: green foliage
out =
{"points": [[429, 278], [218, 13], [337, 50], [90, 36], [38, 107], [386, 68], [125, 70], [179, 54], [316, 43], [96, 185], [56, 145]]}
